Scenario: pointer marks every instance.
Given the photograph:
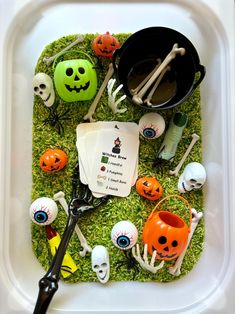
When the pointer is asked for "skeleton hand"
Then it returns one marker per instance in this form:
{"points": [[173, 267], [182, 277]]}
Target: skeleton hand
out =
{"points": [[144, 263], [112, 95]]}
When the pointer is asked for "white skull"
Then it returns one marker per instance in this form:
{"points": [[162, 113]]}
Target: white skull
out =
{"points": [[100, 263], [43, 87], [192, 178]]}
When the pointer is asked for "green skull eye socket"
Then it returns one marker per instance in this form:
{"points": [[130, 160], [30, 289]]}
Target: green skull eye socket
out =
{"points": [[69, 72], [81, 70]]}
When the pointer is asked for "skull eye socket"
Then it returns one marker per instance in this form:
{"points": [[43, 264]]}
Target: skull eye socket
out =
{"points": [[162, 240], [81, 70], [198, 184], [36, 89], [69, 72], [96, 266], [104, 264], [174, 243], [42, 86], [192, 180]]}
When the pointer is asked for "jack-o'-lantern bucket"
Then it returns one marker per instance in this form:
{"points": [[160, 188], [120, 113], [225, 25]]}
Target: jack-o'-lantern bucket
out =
{"points": [[75, 79], [166, 232]]}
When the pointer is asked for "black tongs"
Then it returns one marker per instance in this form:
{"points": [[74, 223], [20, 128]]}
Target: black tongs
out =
{"points": [[82, 201]]}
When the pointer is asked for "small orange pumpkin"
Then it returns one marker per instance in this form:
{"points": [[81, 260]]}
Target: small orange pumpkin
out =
{"points": [[149, 188], [104, 45], [53, 160], [166, 232]]}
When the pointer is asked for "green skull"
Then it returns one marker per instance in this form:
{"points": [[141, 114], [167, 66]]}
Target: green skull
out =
{"points": [[75, 80]]}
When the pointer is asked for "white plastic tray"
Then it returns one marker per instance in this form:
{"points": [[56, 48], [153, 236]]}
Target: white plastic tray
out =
{"points": [[26, 27]]}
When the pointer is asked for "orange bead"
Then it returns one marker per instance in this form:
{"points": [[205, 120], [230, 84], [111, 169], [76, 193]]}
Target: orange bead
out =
{"points": [[53, 160], [149, 188], [104, 45]]}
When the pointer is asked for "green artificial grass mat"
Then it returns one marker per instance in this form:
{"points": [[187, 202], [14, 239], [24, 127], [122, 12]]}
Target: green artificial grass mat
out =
{"points": [[97, 225]]}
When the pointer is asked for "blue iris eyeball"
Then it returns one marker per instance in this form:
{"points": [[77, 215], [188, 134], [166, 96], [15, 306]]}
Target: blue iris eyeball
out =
{"points": [[151, 125], [124, 235], [43, 211], [149, 132]]}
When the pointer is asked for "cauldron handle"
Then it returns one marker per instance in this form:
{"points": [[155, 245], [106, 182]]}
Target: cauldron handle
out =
{"points": [[114, 57], [202, 71]]}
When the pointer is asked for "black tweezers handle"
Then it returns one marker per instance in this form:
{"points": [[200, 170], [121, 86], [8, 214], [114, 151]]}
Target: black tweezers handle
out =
{"points": [[48, 284]]}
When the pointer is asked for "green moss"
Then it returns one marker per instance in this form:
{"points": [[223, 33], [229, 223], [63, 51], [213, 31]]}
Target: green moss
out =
{"points": [[96, 226]]}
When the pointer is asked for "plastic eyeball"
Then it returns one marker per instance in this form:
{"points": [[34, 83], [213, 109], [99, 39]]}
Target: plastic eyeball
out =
{"points": [[151, 125], [124, 235], [43, 211]]}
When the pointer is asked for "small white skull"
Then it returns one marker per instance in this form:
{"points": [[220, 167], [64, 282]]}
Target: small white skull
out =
{"points": [[43, 87], [100, 263], [192, 178]]}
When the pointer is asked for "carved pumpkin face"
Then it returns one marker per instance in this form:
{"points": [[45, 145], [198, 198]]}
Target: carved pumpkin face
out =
{"points": [[149, 188], [104, 45], [75, 80], [166, 233], [53, 160]]}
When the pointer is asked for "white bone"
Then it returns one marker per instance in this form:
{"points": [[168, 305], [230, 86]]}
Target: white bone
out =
{"points": [[175, 172], [150, 95], [48, 61], [60, 197], [98, 95], [142, 83], [112, 96], [137, 98], [144, 263], [176, 269]]}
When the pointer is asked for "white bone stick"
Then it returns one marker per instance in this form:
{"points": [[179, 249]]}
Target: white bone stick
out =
{"points": [[144, 263], [112, 95], [145, 80], [176, 269], [175, 172], [79, 39], [99, 94], [60, 197], [137, 99], [150, 95]]}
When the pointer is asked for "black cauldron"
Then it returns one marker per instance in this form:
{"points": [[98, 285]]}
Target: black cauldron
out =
{"points": [[138, 56]]}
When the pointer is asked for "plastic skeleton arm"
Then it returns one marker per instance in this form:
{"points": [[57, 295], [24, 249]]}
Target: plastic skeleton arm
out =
{"points": [[176, 269], [112, 96], [144, 263], [60, 197], [94, 104], [175, 172], [138, 97], [79, 39]]}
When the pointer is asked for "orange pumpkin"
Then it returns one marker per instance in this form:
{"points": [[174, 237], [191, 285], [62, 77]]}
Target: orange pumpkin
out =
{"points": [[53, 160], [149, 188], [166, 233], [104, 45]]}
